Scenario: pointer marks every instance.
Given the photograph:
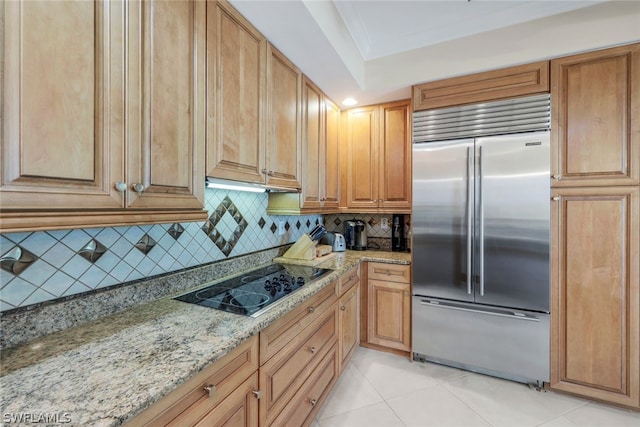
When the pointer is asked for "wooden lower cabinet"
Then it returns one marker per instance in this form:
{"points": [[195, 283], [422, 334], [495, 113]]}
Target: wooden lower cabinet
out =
{"points": [[348, 316], [389, 306], [223, 392], [595, 309]]}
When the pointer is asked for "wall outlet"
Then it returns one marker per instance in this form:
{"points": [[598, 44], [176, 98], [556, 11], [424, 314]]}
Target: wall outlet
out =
{"points": [[384, 223], [281, 229]]}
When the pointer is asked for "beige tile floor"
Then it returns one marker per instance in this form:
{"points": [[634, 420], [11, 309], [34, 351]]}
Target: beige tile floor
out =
{"points": [[381, 389]]}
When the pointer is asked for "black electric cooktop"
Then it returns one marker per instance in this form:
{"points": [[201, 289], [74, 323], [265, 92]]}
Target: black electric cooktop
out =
{"points": [[252, 293]]}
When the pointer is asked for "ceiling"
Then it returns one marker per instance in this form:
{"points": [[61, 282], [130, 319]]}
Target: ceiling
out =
{"points": [[375, 50]]}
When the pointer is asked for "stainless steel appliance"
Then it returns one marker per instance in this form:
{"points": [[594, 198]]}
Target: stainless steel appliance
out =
{"points": [[481, 208], [252, 293], [339, 243], [398, 242], [355, 233]]}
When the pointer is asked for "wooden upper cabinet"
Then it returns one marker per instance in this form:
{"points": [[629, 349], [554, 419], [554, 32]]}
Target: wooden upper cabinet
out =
{"points": [[376, 158], [283, 148], [359, 157], [166, 104], [595, 283], [312, 145], [395, 156], [63, 105], [331, 164], [596, 118], [236, 82], [504, 83], [100, 100]]}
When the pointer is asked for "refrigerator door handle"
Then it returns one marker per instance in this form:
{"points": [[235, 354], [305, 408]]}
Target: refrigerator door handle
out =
{"points": [[469, 216], [491, 312], [481, 223]]}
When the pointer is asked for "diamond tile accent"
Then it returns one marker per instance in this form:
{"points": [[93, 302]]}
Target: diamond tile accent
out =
{"points": [[262, 222], [337, 221], [273, 227], [372, 221], [287, 226], [145, 244], [17, 260], [298, 225], [92, 251], [218, 220], [308, 223], [176, 230]]}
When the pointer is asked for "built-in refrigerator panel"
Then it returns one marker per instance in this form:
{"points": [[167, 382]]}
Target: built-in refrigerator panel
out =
{"points": [[441, 219], [512, 221]]}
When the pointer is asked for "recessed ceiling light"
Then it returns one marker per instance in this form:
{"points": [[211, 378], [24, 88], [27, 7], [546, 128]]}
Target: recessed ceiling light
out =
{"points": [[349, 102]]}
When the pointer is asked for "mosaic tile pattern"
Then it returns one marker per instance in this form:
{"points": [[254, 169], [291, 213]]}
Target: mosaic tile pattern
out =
{"points": [[68, 262]]}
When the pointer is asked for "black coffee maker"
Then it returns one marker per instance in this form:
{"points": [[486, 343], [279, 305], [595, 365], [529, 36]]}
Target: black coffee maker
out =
{"points": [[398, 241], [355, 234]]}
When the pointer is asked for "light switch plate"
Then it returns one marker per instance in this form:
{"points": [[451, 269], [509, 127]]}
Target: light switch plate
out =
{"points": [[281, 229], [384, 223]]}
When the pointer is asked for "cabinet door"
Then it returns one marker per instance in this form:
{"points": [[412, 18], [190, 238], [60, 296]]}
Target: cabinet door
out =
{"points": [[596, 118], [312, 146], [236, 55], [284, 87], [165, 104], [395, 156], [360, 160], [239, 409], [348, 324], [389, 314], [595, 296], [63, 104], [330, 170]]}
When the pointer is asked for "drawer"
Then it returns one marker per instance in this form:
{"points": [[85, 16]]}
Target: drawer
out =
{"points": [[288, 328], [190, 401], [348, 280], [287, 371], [306, 403], [389, 272]]}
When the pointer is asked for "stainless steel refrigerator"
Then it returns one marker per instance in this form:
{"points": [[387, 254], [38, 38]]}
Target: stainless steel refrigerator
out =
{"points": [[480, 219]]}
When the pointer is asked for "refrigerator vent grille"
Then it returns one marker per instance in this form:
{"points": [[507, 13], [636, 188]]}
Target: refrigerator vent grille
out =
{"points": [[531, 113]]}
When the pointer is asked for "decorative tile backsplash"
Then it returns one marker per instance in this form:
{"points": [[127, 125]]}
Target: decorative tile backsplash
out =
{"points": [[45, 265]]}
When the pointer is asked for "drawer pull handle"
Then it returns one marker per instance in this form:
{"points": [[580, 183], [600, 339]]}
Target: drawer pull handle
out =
{"points": [[343, 308], [257, 394], [313, 402], [210, 390], [312, 350], [312, 309]]}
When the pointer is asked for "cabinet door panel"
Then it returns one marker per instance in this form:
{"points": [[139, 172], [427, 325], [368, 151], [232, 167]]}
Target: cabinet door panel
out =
{"points": [[166, 142], [596, 297], [236, 81], [395, 155], [331, 166], [595, 113], [63, 104], [312, 145], [284, 82], [349, 324], [361, 157], [388, 312]]}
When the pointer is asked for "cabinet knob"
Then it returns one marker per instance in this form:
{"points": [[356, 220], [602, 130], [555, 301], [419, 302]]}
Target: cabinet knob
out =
{"points": [[121, 186], [138, 188], [312, 350], [556, 176], [343, 308], [257, 394], [312, 309], [313, 402], [210, 390], [555, 198]]}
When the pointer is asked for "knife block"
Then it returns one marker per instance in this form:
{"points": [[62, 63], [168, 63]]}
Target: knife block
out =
{"points": [[303, 248]]}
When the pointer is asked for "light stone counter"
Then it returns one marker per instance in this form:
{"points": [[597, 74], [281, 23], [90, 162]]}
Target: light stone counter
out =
{"points": [[107, 371]]}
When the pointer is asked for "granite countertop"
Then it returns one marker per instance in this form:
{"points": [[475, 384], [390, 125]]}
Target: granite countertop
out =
{"points": [[107, 371]]}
